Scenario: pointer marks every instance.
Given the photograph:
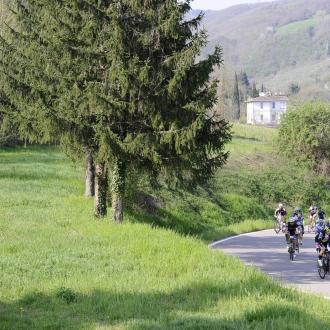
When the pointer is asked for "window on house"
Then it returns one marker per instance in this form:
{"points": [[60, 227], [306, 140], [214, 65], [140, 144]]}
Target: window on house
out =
{"points": [[262, 117], [261, 105], [273, 116], [273, 105]]}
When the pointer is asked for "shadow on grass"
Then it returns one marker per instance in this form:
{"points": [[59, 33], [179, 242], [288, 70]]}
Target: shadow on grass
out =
{"points": [[32, 176], [179, 309], [165, 219], [241, 137], [42, 154]]}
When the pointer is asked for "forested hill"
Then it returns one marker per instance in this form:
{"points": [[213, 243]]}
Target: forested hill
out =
{"points": [[277, 43]]}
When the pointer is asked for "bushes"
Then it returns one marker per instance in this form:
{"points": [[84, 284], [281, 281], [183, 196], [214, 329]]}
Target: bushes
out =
{"points": [[305, 135]]}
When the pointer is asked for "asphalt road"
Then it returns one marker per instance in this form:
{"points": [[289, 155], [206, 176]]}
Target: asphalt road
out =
{"points": [[268, 251]]}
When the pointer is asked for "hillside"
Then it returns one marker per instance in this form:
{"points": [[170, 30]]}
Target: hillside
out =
{"points": [[277, 43]]}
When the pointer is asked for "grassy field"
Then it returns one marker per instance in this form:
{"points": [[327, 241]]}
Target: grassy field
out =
{"points": [[295, 27], [62, 269]]}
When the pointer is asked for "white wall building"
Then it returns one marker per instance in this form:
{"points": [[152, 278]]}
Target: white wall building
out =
{"points": [[266, 109]]}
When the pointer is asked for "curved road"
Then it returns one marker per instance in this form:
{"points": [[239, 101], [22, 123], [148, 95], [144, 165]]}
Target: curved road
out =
{"points": [[267, 251]]}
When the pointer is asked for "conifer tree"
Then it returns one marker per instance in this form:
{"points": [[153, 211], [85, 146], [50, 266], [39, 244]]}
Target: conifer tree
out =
{"points": [[244, 79], [255, 92], [47, 63], [236, 99], [127, 82]]}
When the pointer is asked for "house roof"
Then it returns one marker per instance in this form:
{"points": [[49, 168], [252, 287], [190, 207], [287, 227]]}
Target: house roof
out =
{"points": [[272, 98]]}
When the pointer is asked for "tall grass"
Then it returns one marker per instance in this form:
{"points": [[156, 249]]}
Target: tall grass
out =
{"points": [[63, 269], [255, 133]]}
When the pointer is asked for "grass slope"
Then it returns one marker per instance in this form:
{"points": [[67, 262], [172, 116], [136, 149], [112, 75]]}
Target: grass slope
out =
{"points": [[242, 196], [62, 269]]}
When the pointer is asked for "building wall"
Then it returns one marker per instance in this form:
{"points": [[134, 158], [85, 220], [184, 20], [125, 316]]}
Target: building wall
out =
{"points": [[267, 113], [249, 113]]}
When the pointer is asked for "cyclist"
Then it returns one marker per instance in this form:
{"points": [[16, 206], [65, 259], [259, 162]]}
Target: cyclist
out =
{"points": [[323, 241], [321, 214], [292, 226], [300, 221], [280, 213], [312, 215], [318, 230]]}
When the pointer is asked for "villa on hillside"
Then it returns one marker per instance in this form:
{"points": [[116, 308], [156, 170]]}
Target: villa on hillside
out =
{"points": [[266, 109]]}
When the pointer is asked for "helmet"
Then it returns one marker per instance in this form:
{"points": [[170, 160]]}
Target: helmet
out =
{"points": [[297, 210], [280, 205]]}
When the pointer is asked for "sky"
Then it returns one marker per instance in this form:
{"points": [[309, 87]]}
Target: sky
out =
{"points": [[220, 4]]}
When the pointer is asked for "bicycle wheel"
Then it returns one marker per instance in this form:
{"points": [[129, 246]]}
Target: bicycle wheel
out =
{"points": [[291, 255], [291, 251], [322, 271], [277, 227]]}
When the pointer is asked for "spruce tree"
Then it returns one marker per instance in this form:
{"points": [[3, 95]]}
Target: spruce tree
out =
{"points": [[47, 64], [163, 121], [127, 83], [236, 99]]}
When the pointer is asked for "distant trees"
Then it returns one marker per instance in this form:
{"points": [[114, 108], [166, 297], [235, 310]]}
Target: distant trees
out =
{"points": [[120, 83], [235, 89], [294, 88], [236, 99], [305, 135], [244, 80], [254, 91]]}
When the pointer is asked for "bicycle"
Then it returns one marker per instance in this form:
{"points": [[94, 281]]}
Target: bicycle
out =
{"points": [[299, 236], [292, 246], [313, 219], [324, 269], [279, 225], [311, 227]]}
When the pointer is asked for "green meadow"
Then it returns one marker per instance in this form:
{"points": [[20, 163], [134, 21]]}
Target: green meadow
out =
{"points": [[63, 269]]}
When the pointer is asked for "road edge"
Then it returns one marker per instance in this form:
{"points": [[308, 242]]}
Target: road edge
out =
{"points": [[213, 244]]}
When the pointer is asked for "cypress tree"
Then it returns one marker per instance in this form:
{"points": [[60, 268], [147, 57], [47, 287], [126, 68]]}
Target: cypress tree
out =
{"points": [[244, 79], [255, 92], [236, 99]]}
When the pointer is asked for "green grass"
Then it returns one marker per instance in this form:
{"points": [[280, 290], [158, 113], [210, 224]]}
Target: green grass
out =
{"points": [[255, 133], [240, 198], [62, 269], [295, 27]]}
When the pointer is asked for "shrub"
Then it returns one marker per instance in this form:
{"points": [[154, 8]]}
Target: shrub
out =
{"points": [[305, 135], [67, 294]]}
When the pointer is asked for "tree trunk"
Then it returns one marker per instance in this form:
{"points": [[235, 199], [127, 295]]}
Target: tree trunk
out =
{"points": [[90, 176], [101, 188], [118, 190]]}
